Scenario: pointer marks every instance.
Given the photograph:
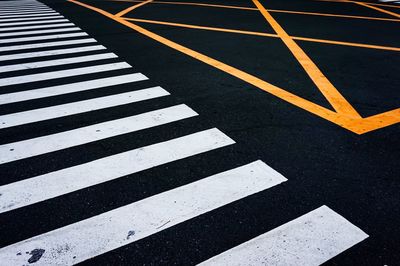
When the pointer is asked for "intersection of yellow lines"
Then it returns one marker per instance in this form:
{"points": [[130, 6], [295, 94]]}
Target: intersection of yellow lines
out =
{"points": [[344, 115]]}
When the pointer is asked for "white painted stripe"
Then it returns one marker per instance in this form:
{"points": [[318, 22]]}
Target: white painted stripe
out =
{"points": [[62, 73], [50, 53], [41, 145], [45, 12], [70, 88], [32, 32], [45, 44], [122, 226], [33, 22], [30, 15], [79, 107], [31, 19], [44, 37], [57, 25], [21, 5], [57, 62], [25, 10], [311, 239]]}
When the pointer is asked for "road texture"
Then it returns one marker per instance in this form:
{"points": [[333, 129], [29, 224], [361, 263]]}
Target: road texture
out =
{"points": [[246, 132]]}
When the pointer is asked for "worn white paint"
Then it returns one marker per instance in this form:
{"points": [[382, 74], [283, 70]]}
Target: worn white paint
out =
{"points": [[57, 25], [57, 62], [45, 44], [33, 22], [31, 19], [41, 145], [36, 115], [70, 88], [51, 52], [44, 37], [30, 15], [62, 74], [102, 233], [33, 32], [311, 239]]}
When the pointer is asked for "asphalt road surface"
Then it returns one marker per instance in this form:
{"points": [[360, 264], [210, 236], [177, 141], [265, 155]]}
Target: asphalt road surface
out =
{"points": [[212, 132]]}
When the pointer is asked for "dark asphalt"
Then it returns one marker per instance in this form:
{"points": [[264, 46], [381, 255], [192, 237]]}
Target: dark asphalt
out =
{"points": [[355, 175]]}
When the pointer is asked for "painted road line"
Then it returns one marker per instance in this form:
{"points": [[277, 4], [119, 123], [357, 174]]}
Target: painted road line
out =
{"points": [[31, 19], [119, 227], [30, 15], [45, 44], [42, 145], [57, 25], [70, 88], [63, 73], [24, 10], [57, 62], [33, 32], [33, 22], [51, 53], [44, 37], [37, 115], [15, 14], [311, 239]]}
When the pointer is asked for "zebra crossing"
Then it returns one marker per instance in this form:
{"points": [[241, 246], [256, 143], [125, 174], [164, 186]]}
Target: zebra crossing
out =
{"points": [[27, 58]]}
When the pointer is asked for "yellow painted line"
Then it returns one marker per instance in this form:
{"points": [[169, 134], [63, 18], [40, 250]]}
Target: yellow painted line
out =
{"points": [[338, 102], [378, 9], [346, 1], [356, 125], [263, 34], [129, 9], [269, 10]]}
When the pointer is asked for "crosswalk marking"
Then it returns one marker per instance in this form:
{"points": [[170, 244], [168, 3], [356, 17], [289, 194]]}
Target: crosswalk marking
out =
{"points": [[51, 52], [41, 145], [24, 10], [70, 88], [33, 22], [31, 19], [44, 37], [30, 15], [57, 62], [33, 32], [127, 224], [108, 168], [62, 74], [45, 44], [36, 115], [57, 25], [26, 13], [311, 239]]}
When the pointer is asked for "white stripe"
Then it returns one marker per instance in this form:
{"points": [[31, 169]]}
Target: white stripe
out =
{"points": [[33, 22], [70, 88], [31, 15], [63, 73], [26, 13], [58, 25], [57, 62], [45, 37], [37, 32], [25, 10], [45, 44], [119, 227], [31, 19], [41, 145], [311, 239], [50, 53], [79, 107]]}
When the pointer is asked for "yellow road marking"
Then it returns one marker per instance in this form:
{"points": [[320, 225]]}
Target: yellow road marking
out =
{"points": [[346, 1], [356, 125], [378, 9], [269, 10], [338, 102], [129, 9], [263, 34]]}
